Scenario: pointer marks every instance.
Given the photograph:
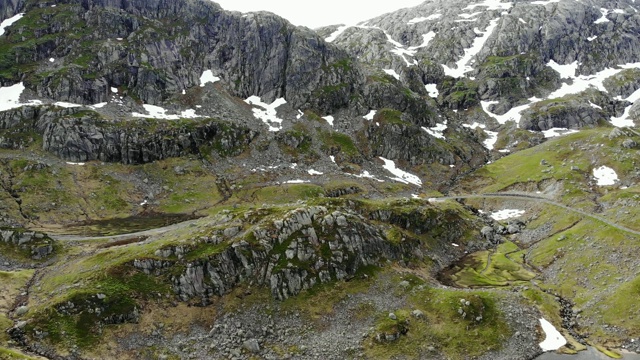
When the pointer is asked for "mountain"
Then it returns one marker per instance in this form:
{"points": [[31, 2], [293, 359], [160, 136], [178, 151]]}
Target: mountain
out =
{"points": [[181, 181]]}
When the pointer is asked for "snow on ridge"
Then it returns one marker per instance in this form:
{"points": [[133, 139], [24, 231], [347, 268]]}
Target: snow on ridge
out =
{"points": [[392, 73], [426, 39], [491, 5], [208, 77], [401, 175], [158, 112], [553, 338], [462, 65], [492, 136], [437, 131], [10, 21], [468, 16], [268, 114], [512, 114], [567, 71], [605, 176], [545, 2], [422, 19], [334, 35]]}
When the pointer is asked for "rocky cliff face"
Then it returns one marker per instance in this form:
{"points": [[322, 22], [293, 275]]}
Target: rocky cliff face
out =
{"points": [[305, 247]]}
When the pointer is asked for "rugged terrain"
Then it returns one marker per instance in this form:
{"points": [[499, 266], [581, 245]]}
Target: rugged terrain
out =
{"points": [[179, 181]]}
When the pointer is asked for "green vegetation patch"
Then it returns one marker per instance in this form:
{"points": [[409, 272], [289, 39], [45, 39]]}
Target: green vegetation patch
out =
{"points": [[490, 268], [460, 325]]}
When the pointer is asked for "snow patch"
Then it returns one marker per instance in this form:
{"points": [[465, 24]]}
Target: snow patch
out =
{"points": [[8, 22], [401, 175], [462, 65], [114, 90], [297, 181], [513, 114], [158, 112], [208, 77], [392, 73], [52, 60], [554, 132], [75, 163], [566, 71], [506, 214], [553, 338], [314, 172], [370, 115], [545, 2], [605, 176], [603, 19], [437, 131], [67, 105], [591, 38], [98, 105], [422, 19], [432, 89], [268, 114], [491, 5], [426, 39], [329, 119], [336, 33]]}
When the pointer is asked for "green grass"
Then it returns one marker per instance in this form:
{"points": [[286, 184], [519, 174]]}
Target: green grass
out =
{"points": [[444, 328], [476, 271], [8, 354]]}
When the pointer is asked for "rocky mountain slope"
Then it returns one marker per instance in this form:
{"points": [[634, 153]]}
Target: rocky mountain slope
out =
{"points": [[180, 181]]}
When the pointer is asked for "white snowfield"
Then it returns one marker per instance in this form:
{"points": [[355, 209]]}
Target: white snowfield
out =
{"points": [[401, 175], [158, 112], [330, 119], [8, 22], [554, 132], [506, 214], [432, 89], [268, 114], [208, 77], [553, 338], [577, 85], [492, 136], [10, 97], [464, 64], [370, 115], [605, 176], [437, 131], [491, 5], [392, 73]]}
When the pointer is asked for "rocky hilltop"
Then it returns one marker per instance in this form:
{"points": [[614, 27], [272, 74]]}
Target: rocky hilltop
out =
{"points": [[181, 181]]}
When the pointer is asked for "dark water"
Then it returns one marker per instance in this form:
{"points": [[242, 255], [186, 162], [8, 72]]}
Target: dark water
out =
{"points": [[589, 354], [132, 224]]}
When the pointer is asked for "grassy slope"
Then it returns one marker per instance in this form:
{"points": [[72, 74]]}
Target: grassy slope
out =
{"points": [[586, 261]]}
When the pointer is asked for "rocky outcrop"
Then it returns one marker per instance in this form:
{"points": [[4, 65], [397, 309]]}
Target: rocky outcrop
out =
{"points": [[403, 141], [589, 108], [308, 246], [304, 247], [31, 244], [624, 83], [82, 135]]}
